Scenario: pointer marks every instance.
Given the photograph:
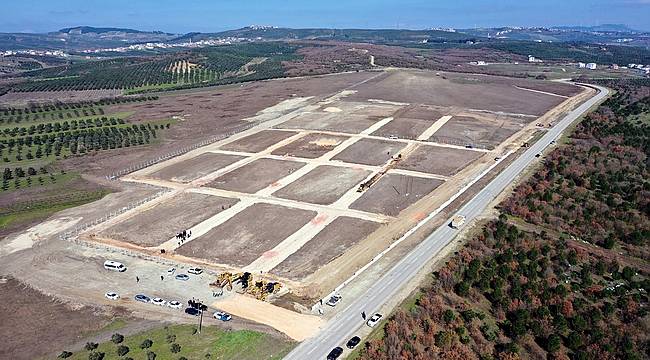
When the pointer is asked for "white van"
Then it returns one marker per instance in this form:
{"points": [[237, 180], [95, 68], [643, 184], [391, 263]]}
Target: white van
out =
{"points": [[114, 266]]}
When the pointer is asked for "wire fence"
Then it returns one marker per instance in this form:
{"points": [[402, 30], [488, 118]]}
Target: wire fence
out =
{"points": [[116, 175], [74, 232]]}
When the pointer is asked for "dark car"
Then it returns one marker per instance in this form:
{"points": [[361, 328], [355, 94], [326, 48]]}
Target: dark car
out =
{"points": [[353, 342], [143, 298], [192, 311], [335, 353]]}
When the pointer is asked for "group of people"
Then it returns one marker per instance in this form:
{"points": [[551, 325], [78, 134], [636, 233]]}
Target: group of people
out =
{"points": [[183, 235]]}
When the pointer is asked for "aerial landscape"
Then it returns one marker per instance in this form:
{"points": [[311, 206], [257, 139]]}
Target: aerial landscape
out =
{"points": [[465, 180]]}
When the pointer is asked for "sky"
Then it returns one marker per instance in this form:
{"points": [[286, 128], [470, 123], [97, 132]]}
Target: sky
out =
{"points": [[181, 16]]}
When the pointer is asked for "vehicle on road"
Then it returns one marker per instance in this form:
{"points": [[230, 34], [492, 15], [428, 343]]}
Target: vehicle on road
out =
{"points": [[192, 311], [332, 301], [195, 271], [223, 316], [182, 277], [111, 295], [353, 342], [114, 266], [457, 221], [393, 137], [469, 146], [174, 304], [374, 320], [335, 353], [158, 301], [142, 298]]}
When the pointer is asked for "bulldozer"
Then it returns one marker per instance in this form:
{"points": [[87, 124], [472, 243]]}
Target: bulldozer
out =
{"points": [[259, 289]]}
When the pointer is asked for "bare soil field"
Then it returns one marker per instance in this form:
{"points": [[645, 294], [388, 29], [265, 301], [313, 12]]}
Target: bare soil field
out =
{"points": [[205, 113], [163, 221], [330, 243], [377, 111], [424, 112], [311, 146], [404, 128], [394, 193], [19, 99], [258, 142], [256, 175], [438, 160], [33, 324], [460, 90], [247, 235], [485, 131], [370, 152], [195, 167], [323, 185], [353, 124]]}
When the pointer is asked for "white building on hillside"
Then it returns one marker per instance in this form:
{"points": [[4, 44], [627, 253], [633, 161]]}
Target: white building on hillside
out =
{"points": [[591, 66]]}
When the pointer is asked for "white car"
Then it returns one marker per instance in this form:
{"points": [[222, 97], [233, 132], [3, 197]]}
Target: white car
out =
{"points": [[158, 301], [174, 304], [114, 266], [195, 271], [223, 316], [374, 320], [111, 295], [334, 300]]}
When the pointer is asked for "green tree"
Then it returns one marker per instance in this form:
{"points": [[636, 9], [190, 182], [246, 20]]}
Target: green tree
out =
{"points": [[117, 338], [122, 350]]}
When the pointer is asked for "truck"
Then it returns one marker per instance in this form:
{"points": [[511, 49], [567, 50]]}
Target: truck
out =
{"points": [[457, 221]]}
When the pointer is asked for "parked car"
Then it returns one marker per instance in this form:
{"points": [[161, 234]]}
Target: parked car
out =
{"points": [[174, 304], [158, 301], [111, 295], [374, 320], [143, 298], [195, 271], [192, 311], [182, 277], [335, 353], [353, 342], [223, 316], [332, 301], [114, 266]]}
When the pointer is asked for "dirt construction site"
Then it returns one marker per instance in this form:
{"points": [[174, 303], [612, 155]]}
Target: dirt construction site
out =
{"points": [[280, 214]]}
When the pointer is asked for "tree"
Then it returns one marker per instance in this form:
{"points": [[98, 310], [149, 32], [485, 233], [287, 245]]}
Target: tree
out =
{"points": [[95, 355], [117, 338], [553, 343], [146, 344], [91, 346], [64, 355], [151, 355], [175, 348]]}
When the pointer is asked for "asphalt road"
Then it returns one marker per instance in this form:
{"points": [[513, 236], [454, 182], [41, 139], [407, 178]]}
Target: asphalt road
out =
{"points": [[343, 326]]}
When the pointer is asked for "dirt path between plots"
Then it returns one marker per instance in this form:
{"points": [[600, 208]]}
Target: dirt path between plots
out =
{"points": [[297, 326]]}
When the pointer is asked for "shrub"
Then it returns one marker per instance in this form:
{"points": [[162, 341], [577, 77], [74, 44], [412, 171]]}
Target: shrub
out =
{"points": [[96, 355], [175, 348], [64, 355], [151, 355], [122, 350], [117, 338], [171, 338], [146, 344], [91, 346]]}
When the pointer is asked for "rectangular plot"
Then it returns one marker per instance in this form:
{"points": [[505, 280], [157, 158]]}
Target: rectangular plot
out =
{"points": [[256, 175], [323, 185], [247, 235], [331, 242], [404, 128], [339, 122], [370, 152], [196, 167], [311, 146], [161, 222], [484, 132], [258, 141], [438, 160], [394, 193]]}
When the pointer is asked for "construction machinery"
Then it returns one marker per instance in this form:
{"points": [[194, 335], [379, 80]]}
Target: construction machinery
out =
{"points": [[259, 289], [368, 183]]}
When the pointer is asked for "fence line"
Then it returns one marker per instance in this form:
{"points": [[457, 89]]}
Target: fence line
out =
{"points": [[70, 234], [116, 175]]}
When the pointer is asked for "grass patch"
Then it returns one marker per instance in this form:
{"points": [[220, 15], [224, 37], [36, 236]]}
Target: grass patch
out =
{"points": [[218, 343]]}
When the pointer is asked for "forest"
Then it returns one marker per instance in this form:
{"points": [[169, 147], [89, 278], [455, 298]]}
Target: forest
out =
{"points": [[563, 272]]}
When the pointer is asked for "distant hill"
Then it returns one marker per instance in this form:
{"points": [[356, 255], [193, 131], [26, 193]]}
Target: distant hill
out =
{"points": [[601, 28], [102, 30]]}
